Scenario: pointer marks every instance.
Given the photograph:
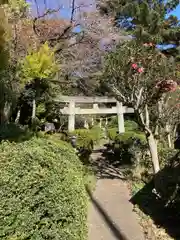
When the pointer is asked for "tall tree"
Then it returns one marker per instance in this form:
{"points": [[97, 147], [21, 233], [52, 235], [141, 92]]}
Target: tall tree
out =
{"points": [[4, 57], [146, 20], [38, 70], [10, 12]]}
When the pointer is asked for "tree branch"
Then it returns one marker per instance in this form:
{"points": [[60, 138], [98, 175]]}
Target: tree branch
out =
{"points": [[72, 11], [139, 97], [147, 116], [117, 93], [47, 12]]}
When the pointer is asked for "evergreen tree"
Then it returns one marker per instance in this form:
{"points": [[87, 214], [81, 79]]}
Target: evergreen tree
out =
{"points": [[146, 20]]}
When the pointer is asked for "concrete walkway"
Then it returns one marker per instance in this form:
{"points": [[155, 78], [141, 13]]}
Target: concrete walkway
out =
{"points": [[111, 215]]}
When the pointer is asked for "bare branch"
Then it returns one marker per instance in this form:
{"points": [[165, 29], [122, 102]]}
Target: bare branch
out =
{"points": [[47, 12], [58, 50], [118, 93], [72, 11]]}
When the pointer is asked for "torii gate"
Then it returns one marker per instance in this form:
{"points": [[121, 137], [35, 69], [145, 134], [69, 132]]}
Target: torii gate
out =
{"points": [[72, 110]]}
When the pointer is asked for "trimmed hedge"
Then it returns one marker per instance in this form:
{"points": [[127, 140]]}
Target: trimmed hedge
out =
{"points": [[87, 138], [130, 136], [42, 191], [128, 124]]}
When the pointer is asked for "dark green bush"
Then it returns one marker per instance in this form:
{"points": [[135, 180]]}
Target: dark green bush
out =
{"points": [[130, 137], [130, 126], [42, 192], [168, 180], [14, 133], [130, 146]]}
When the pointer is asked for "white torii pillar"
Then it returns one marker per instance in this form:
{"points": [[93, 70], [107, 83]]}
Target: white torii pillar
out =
{"points": [[71, 119], [120, 115]]}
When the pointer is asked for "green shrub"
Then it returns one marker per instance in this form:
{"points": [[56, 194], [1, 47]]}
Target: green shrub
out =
{"points": [[113, 123], [168, 180], [130, 137], [42, 191], [130, 146], [166, 155], [87, 138], [112, 133], [128, 124], [84, 139], [14, 133], [131, 126]]}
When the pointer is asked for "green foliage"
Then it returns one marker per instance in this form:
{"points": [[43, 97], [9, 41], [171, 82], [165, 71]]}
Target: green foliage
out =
{"points": [[4, 32], [42, 191], [167, 180], [39, 65], [14, 133], [112, 133], [146, 20], [18, 6], [3, 1], [131, 126], [86, 140], [136, 187], [166, 155], [89, 177], [113, 129], [139, 89], [130, 136], [88, 137], [118, 71], [129, 148]]}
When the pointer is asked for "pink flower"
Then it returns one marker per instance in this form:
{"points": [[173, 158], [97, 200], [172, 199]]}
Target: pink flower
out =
{"points": [[145, 44], [134, 66], [140, 70]]}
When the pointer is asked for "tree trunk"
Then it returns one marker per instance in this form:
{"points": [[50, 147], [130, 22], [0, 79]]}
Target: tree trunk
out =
{"points": [[168, 136], [33, 110], [5, 113], [169, 140], [153, 151], [152, 143], [2, 116], [18, 116], [175, 131]]}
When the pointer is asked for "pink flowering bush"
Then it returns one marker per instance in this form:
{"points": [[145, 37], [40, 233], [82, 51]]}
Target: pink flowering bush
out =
{"points": [[140, 76]]}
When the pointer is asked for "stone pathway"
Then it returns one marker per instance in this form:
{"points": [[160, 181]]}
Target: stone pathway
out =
{"points": [[111, 215]]}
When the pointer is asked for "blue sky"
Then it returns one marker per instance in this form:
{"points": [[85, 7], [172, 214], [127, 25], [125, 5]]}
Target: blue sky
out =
{"points": [[177, 11], [65, 11]]}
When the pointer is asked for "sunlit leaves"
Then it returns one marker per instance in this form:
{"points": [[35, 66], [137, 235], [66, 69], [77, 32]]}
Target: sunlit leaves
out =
{"points": [[39, 64]]}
